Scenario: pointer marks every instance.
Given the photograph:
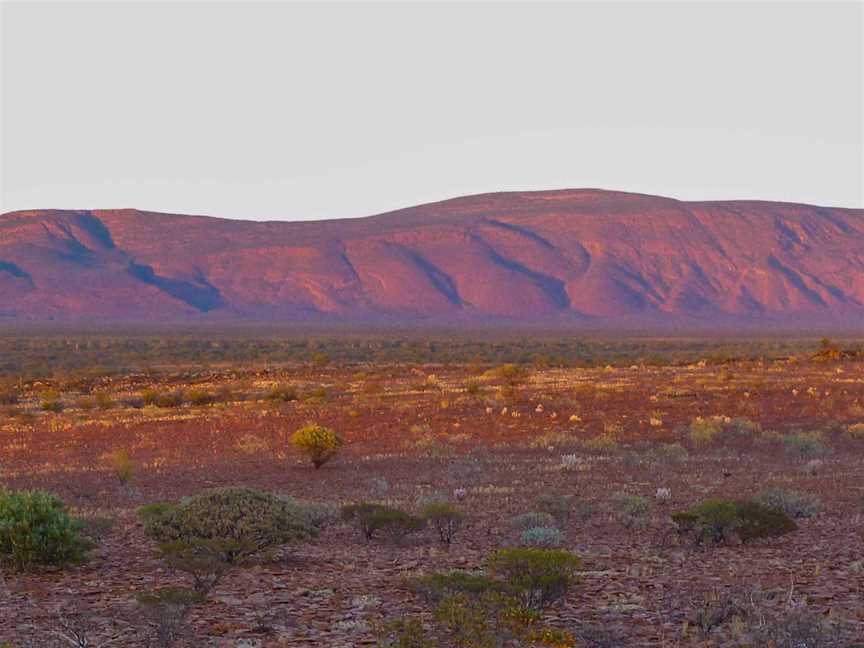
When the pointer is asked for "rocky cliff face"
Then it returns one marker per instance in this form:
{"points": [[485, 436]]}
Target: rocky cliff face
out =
{"points": [[569, 257]]}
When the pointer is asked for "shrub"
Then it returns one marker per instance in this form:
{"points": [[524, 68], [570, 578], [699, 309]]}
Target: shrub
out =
{"points": [[489, 621], [445, 519], [403, 633], [539, 577], [200, 397], [122, 466], [704, 430], [149, 397], [172, 399], [283, 393], [437, 587], [531, 520], [372, 518], [793, 504], [541, 537], [104, 401], [237, 522], [51, 401], [203, 560], [319, 442], [558, 506], [670, 452], [36, 529], [805, 444], [716, 520], [605, 442], [632, 509], [167, 609]]}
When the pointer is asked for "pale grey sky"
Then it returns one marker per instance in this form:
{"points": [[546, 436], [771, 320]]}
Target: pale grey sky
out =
{"points": [[302, 111]]}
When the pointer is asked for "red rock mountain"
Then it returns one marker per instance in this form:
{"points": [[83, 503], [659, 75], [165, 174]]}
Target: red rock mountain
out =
{"points": [[572, 257]]}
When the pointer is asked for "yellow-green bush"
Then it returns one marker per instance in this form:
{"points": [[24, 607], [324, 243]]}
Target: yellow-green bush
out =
{"points": [[320, 443]]}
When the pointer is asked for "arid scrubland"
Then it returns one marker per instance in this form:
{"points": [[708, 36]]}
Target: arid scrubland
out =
{"points": [[412, 504]]}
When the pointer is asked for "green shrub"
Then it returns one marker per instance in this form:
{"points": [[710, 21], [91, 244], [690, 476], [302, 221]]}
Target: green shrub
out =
{"points": [[437, 587], [172, 399], [632, 510], [51, 401], [200, 397], [122, 466], [166, 610], [670, 452], [104, 401], [283, 393], [716, 520], [531, 520], [237, 522], [372, 518], [793, 504], [539, 577], [403, 633], [149, 397], [445, 518], [319, 442], [805, 444], [558, 506], [36, 529]]}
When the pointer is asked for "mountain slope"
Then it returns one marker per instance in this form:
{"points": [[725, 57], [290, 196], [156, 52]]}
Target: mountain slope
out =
{"points": [[570, 256]]}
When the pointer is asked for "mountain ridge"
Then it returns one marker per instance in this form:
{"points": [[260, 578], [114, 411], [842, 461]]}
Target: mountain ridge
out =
{"points": [[572, 256]]}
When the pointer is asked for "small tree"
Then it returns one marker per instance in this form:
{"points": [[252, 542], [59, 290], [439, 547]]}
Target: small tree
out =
{"points": [[319, 442], [540, 577], [445, 518]]}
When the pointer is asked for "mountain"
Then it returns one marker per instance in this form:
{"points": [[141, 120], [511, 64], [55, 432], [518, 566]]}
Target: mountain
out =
{"points": [[581, 257]]}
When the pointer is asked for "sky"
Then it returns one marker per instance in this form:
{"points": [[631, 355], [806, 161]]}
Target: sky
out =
{"points": [[289, 111]]}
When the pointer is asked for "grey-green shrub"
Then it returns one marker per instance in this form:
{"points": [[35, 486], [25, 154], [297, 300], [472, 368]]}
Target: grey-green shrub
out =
{"points": [[793, 504], [558, 506], [805, 444], [532, 520], [242, 521], [541, 537]]}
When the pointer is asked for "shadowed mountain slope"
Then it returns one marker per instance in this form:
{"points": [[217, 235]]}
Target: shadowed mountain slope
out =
{"points": [[570, 257]]}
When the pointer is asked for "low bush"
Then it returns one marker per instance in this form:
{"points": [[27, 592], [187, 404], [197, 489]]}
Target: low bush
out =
{"points": [[531, 520], [445, 518], [632, 510], [805, 444], [705, 430], [716, 520], [237, 522], [104, 401], [200, 397], [122, 466], [374, 518], [51, 401], [320, 443], [437, 587], [559, 507], [541, 537], [538, 577], [36, 530], [166, 609], [793, 504], [283, 393], [854, 431]]}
